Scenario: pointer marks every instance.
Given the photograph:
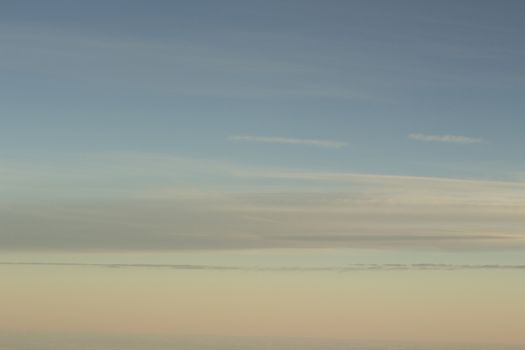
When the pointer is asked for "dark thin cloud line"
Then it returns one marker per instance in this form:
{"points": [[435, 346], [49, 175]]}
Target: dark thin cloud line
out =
{"points": [[119, 265], [346, 268]]}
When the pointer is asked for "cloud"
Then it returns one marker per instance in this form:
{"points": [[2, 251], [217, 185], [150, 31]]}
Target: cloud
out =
{"points": [[342, 268], [75, 205], [290, 141], [96, 60], [106, 341], [240, 221], [445, 138]]}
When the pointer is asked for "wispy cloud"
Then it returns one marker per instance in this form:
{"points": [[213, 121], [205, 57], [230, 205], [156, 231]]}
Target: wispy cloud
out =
{"points": [[73, 205], [290, 141], [342, 268], [95, 59], [445, 138]]}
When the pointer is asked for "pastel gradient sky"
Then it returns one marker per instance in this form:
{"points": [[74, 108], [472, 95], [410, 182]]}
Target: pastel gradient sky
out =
{"points": [[347, 170]]}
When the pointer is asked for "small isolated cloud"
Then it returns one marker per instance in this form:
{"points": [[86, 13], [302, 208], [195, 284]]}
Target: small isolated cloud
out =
{"points": [[445, 138], [290, 141]]}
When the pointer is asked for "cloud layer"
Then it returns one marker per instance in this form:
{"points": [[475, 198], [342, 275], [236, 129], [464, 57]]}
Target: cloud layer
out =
{"points": [[290, 141], [344, 268], [56, 341], [76, 206]]}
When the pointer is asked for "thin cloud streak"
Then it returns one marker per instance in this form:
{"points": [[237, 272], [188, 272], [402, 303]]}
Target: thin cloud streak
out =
{"points": [[344, 268], [445, 138], [290, 141]]}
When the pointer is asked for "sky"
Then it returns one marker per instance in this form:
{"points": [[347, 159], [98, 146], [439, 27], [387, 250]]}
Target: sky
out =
{"points": [[244, 166]]}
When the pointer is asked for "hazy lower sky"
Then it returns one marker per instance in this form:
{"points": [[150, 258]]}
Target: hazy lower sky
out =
{"points": [[346, 170]]}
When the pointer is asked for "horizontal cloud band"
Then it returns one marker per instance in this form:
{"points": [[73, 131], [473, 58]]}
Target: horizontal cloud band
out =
{"points": [[346, 268], [290, 141], [444, 138], [63, 207]]}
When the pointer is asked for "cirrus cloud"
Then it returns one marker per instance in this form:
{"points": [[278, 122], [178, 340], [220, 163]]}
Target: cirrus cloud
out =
{"points": [[289, 141], [67, 205], [445, 138]]}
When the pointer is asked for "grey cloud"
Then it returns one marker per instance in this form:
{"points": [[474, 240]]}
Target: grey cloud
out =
{"points": [[72, 206], [378, 237], [246, 222], [57, 341], [344, 268], [124, 225]]}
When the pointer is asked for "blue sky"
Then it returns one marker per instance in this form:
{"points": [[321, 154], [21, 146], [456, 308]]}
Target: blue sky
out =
{"points": [[274, 168], [348, 109], [181, 77]]}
